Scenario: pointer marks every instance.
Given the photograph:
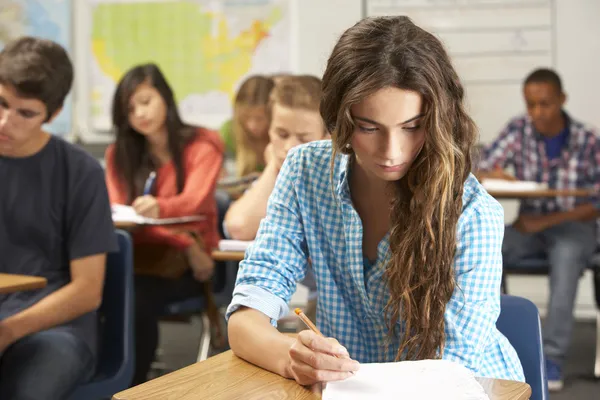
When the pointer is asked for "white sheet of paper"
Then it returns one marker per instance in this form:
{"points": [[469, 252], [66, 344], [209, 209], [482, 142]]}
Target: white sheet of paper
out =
{"points": [[424, 380], [121, 213], [234, 245], [512, 186]]}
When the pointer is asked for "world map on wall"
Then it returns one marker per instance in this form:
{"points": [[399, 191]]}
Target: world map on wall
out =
{"points": [[50, 19], [204, 48]]}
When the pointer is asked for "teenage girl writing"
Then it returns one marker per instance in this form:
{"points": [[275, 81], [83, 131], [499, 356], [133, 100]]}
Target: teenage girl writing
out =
{"points": [[404, 243], [164, 169]]}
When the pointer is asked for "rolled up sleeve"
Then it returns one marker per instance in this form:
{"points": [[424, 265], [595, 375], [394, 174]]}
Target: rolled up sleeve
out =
{"points": [[278, 258]]}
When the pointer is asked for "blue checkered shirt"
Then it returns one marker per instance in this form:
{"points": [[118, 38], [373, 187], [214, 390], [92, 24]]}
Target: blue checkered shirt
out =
{"points": [[519, 146], [308, 217]]}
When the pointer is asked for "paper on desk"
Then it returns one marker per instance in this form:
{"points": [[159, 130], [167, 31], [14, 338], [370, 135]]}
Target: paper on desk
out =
{"points": [[234, 245], [121, 213], [501, 185], [424, 380]]}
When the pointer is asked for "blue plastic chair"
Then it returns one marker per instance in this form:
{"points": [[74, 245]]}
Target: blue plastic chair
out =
{"points": [[116, 351], [520, 322], [539, 266]]}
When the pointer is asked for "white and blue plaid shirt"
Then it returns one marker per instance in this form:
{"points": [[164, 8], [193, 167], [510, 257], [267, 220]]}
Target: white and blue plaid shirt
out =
{"points": [[306, 217]]}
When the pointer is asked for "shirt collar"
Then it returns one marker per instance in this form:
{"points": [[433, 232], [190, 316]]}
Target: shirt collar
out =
{"points": [[342, 183]]}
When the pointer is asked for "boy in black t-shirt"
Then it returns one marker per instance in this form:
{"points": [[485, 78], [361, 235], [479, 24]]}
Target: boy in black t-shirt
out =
{"points": [[55, 222]]}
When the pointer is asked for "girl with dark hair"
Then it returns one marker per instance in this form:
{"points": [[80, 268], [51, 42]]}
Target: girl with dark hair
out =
{"points": [[163, 168], [404, 242]]}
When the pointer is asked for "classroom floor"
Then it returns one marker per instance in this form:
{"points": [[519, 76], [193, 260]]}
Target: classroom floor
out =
{"points": [[179, 344]]}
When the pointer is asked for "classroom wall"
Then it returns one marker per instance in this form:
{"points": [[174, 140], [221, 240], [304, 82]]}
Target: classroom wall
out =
{"points": [[317, 24], [577, 49]]}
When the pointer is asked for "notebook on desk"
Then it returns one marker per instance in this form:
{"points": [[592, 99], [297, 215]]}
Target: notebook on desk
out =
{"points": [[127, 214], [424, 380], [502, 185]]}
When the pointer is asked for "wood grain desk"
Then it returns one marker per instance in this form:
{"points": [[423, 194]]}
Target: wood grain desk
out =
{"points": [[514, 195], [125, 225], [219, 255], [10, 283], [226, 376]]}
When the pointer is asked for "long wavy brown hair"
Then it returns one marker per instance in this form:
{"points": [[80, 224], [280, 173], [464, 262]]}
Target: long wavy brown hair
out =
{"points": [[393, 52]]}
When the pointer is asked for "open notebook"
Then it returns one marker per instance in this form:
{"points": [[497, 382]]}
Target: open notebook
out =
{"points": [[234, 245], [502, 185], [424, 380], [121, 213]]}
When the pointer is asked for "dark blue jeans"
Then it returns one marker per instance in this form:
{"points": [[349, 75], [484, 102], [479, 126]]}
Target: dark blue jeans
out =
{"points": [[47, 365]]}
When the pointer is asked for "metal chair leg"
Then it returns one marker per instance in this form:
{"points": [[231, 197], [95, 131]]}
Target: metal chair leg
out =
{"points": [[597, 366], [204, 339]]}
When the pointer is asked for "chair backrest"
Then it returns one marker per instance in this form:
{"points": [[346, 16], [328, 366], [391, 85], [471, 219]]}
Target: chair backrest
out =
{"points": [[114, 371], [116, 312], [520, 322]]}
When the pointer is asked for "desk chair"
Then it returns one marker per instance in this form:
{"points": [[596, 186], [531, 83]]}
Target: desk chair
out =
{"points": [[195, 308], [539, 266], [520, 322], [114, 371]]}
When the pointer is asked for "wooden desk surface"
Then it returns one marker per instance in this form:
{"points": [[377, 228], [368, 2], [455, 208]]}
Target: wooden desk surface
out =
{"points": [[10, 283], [125, 225], [538, 193], [226, 376], [219, 255]]}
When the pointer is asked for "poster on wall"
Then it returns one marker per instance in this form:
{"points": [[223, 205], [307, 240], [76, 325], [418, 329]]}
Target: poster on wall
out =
{"points": [[205, 48], [494, 45], [49, 19]]}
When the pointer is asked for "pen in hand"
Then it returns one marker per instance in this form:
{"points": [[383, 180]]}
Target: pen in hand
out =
{"points": [[149, 183], [311, 326]]}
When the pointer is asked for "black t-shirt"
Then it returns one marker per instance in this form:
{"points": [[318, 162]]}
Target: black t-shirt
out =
{"points": [[54, 208]]}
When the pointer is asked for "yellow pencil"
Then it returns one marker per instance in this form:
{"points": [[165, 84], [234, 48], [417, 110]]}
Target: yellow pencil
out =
{"points": [[307, 322]]}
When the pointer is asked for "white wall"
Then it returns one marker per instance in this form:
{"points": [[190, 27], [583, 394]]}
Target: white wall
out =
{"points": [[320, 24], [578, 56]]}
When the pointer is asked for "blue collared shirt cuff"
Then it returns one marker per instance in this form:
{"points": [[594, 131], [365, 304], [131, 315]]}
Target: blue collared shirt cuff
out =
{"points": [[259, 299]]}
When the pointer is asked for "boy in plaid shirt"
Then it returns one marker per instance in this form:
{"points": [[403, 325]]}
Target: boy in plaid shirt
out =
{"points": [[548, 145]]}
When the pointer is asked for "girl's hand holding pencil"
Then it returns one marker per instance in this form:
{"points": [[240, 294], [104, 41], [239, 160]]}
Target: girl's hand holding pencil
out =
{"points": [[316, 359]]}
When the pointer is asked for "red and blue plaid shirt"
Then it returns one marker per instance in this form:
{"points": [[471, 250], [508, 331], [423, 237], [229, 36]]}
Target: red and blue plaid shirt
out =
{"points": [[521, 147]]}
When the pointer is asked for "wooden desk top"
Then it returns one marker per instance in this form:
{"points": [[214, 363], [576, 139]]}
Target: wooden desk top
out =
{"points": [[538, 194], [219, 255], [226, 376], [10, 283], [125, 225]]}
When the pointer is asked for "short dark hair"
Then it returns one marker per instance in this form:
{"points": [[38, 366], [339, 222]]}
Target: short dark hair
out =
{"points": [[545, 75], [39, 69]]}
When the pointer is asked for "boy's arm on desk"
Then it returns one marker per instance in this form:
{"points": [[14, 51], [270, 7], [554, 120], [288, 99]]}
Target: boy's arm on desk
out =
{"points": [[536, 223]]}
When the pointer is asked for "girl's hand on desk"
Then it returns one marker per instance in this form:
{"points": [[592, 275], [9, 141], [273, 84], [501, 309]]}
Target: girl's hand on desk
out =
{"points": [[315, 359], [146, 206]]}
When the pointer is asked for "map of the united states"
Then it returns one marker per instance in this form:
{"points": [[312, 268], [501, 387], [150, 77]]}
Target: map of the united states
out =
{"points": [[194, 47]]}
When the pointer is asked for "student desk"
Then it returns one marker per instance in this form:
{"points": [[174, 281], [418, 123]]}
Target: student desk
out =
{"points": [[226, 376], [219, 255], [10, 283], [530, 194], [125, 225]]}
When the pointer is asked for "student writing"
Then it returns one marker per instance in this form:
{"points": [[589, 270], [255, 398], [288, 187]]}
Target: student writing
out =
{"points": [[186, 161], [404, 243]]}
